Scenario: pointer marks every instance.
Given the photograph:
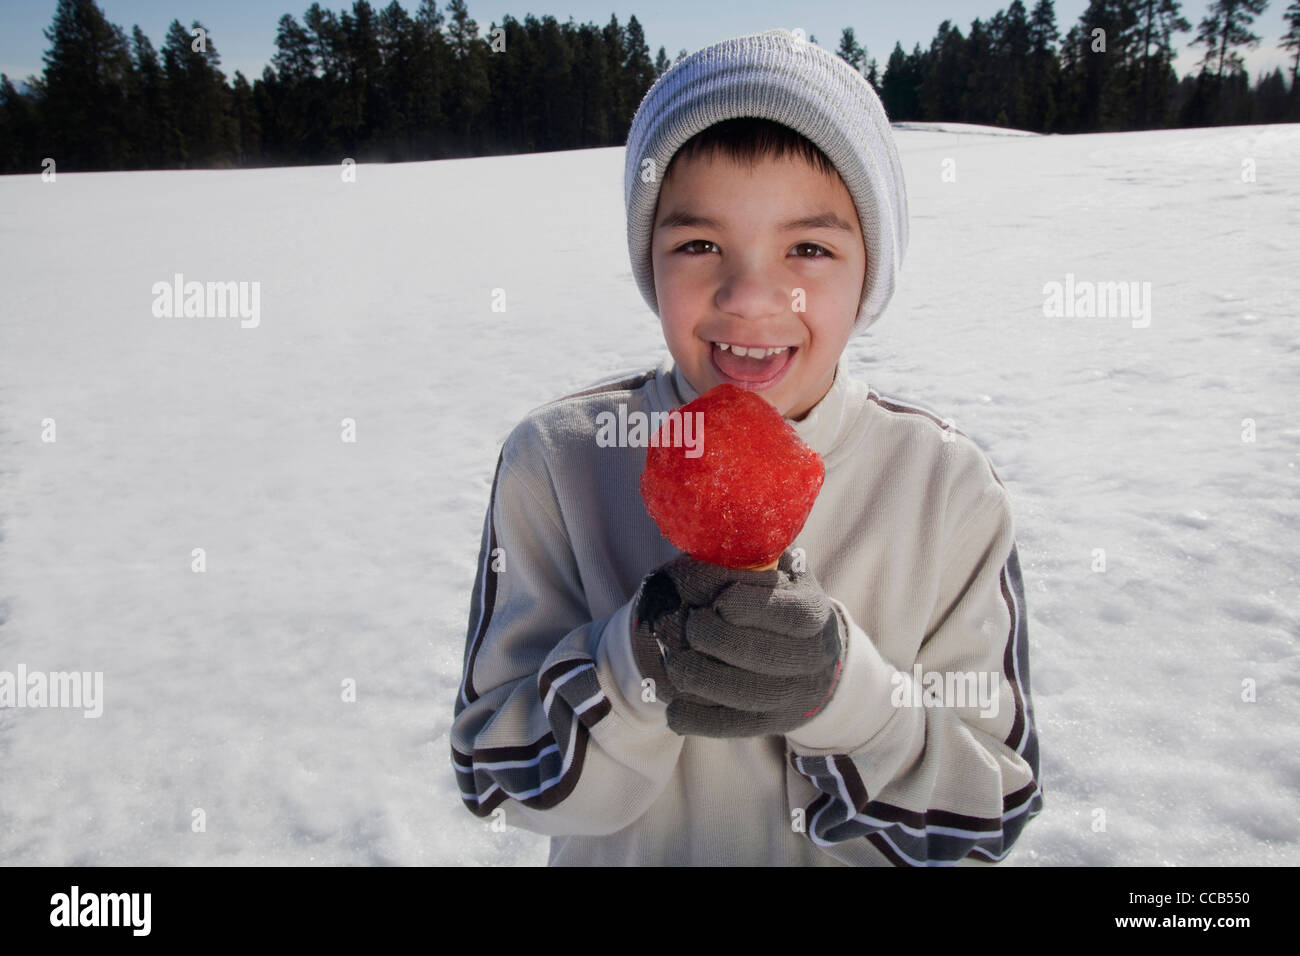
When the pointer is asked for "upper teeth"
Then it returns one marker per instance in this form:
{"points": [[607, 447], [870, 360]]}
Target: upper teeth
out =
{"points": [[756, 352]]}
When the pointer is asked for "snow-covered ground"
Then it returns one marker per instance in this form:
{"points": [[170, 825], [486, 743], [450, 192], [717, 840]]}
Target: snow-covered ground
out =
{"points": [[964, 128], [329, 561]]}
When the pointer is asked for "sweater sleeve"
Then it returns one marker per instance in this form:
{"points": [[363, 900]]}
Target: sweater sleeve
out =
{"points": [[939, 762], [549, 723]]}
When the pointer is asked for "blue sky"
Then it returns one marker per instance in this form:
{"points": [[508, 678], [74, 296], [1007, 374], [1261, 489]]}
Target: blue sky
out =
{"points": [[244, 30]]}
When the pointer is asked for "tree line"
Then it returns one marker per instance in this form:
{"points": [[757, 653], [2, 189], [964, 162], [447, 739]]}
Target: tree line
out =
{"points": [[1112, 70], [386, 85]]}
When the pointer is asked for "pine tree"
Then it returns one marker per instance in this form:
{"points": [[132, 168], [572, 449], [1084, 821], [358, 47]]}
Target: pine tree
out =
{"points": [[917, 66], [1226, 26], [330, 113], [1291, 40], [662, 63], [294, 60], [198, 101], [1099, 67], [1043, 77], [510, 115], [638, 70], [467, 91], [432, 64], [396, 82], [359, 36], [1122, 77], [621, 108], [289, 86], [1013, 45], [592, 65], [900, 93], [944, 81], [19, 126], [1270, 99], [976, 101], [856, 56], [850, 51], [560, 117], [87, 77], [148, 99], [248, 126], [325, 38], [1158, 21], [1221, 98]]}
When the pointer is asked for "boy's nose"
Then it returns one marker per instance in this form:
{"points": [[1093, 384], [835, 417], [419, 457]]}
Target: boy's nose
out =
{"points": [[752, 292]]}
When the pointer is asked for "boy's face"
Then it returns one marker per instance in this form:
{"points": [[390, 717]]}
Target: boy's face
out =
{"points": [[733, 265]]}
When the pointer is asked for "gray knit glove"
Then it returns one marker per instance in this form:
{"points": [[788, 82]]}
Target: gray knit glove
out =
{"points": [[736, 653]]}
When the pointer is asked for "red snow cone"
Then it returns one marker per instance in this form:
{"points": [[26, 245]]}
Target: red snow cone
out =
{"points": [[744, 497]]}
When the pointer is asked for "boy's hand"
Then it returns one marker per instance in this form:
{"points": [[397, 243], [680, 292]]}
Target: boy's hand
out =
{"points": [[736, 653]]}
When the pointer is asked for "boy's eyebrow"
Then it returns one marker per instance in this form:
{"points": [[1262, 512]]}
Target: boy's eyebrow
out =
{"points": [[822, 220]]}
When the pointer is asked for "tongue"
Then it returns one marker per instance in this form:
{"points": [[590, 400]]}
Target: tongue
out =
{"points": [[747, 369]]}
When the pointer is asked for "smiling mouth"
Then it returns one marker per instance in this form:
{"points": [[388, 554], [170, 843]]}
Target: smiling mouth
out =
{"points": [[754, 367]]}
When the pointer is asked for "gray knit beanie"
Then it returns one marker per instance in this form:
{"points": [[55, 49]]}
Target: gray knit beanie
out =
{"points": [[777, 76]]}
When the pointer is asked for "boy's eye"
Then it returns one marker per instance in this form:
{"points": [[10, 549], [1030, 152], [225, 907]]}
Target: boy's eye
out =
{"points": [[826, 254], [694, 242]]}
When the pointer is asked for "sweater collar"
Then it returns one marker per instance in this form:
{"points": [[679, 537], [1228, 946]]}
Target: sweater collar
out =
{"points": [[821, 429]]}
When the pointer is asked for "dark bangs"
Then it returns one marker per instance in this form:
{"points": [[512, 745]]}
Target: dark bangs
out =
{"points": [[747, 139]]}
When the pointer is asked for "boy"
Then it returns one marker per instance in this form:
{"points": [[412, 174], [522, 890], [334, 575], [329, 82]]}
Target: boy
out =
{"points": [[642, 707]]}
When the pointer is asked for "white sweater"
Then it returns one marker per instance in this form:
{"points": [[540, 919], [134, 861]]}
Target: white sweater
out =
{"points": [[911, 536]]}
